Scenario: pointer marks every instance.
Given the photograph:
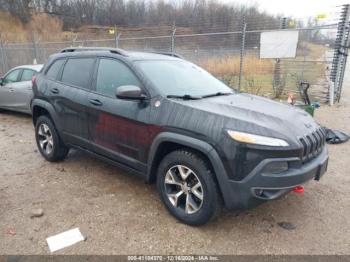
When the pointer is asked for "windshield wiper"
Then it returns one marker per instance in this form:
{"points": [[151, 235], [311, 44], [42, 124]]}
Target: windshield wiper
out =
{"points": [[184, 97], [217, 94]]}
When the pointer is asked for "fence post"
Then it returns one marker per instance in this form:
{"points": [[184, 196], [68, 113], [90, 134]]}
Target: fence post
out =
{"points": [[277, 71], [340, 55], [74, 38], [242, 51], [345, 57], [3, 71], [117, 38], [35, 48], [173, 32]]}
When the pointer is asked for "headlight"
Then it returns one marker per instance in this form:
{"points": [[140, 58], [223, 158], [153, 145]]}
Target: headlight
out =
{"points": [[256, 139]]}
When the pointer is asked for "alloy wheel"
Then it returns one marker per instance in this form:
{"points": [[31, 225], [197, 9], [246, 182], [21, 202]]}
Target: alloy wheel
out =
{"points": [[184, 189], [45, 139]]}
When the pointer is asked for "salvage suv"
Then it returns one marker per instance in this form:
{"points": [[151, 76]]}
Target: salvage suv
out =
{"points": [[173, 123]]}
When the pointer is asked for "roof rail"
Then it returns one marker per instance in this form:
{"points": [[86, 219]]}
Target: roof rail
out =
{"points": [[168, 54], [82, 49]]}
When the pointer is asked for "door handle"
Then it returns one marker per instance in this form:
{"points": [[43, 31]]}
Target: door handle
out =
{"points": [[54, 91], [12, 90], [96, 102]]}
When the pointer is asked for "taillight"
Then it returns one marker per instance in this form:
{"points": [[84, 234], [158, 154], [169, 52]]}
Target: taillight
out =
{"points": [[33, 79]]}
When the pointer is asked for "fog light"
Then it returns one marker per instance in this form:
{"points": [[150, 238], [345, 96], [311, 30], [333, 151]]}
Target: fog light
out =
{"points": [[276, 167]]}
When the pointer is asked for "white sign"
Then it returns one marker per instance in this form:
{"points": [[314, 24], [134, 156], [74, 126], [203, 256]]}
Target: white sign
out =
{"points": [[279, 44], [64, 239]]}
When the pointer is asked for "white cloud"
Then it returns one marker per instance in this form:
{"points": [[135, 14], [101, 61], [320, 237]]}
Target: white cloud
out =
{"points": [[295, 8]]}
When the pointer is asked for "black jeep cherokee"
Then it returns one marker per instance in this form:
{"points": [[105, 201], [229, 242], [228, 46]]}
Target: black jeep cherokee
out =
{"points": [[170, 121]]}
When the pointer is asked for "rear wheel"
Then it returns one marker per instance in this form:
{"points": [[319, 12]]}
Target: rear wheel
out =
{"points": [[49, 143], [187, 188]]}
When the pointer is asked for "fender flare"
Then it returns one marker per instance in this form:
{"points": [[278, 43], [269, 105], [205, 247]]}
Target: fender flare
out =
{"points": [[199, 145], [48, 107]]}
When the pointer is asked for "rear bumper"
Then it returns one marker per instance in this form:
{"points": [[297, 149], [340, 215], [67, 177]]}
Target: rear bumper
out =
{"points": [[258, 187]]}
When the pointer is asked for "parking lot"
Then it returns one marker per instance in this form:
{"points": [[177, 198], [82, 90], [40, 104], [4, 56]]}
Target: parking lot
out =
{"points": [[119, 214]]}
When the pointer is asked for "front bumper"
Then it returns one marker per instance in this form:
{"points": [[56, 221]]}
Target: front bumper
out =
{"points": [[258, 187]]}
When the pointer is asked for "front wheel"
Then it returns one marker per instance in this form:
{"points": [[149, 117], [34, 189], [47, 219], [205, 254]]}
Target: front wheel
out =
{"points": [[48, 141], [187, 188]]}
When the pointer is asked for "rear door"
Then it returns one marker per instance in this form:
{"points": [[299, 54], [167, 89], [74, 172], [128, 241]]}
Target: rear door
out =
{"points": [[7, 98], [118, 128], [70, 96]]}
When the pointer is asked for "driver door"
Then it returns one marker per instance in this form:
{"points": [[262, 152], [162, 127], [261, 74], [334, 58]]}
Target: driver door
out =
{"points": [[7, 88], [118, 128]]}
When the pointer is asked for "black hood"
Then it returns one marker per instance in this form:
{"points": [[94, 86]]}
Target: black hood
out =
{"points": [[242, 112]]}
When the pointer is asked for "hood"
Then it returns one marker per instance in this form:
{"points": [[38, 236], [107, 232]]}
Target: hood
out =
{"points": [[249, 113]]}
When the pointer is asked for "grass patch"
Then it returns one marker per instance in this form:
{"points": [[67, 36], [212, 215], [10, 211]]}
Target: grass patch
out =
{"points": [[230, 65], [258, 74], [257, 84]]}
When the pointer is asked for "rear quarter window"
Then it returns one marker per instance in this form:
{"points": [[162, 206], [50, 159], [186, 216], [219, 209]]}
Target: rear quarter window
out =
{"points": [[77, 72]]}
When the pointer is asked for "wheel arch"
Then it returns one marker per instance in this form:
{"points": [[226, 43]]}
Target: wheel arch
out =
{"points": [[167, 142], [40, 107]]}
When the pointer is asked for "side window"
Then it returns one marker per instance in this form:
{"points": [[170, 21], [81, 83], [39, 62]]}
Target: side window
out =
{"points": [[12, 77], [55, 69], [27, 75], [77, 71], [112, 74]]}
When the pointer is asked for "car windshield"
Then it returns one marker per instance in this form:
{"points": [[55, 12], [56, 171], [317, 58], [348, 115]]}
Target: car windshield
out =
{"points": [[181, 78]]}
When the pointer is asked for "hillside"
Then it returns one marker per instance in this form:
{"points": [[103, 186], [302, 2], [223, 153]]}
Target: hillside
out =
{"points": [[50, 28]]}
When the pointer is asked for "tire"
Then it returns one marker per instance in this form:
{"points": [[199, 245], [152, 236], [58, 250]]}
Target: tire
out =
{"points": [[48, 141], [198, 203]]}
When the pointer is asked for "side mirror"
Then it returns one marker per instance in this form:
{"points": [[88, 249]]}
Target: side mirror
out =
{"points": [[1, 81], [130, 92]]}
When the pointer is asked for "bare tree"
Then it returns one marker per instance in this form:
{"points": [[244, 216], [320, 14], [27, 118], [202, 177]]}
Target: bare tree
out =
{"points": [[200, 15]]}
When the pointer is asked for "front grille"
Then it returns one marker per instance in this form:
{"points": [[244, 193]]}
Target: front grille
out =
{"points": [[313, 144]]}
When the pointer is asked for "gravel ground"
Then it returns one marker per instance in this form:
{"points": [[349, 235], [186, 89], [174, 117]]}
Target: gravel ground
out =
{"points": [[120, 214]]}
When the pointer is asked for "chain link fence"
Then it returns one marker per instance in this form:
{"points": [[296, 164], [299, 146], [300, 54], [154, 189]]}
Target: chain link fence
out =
{"points": [[232, 56]]}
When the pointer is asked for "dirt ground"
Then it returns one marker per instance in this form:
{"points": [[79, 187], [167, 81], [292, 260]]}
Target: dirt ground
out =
{"points": [[120, 214]]}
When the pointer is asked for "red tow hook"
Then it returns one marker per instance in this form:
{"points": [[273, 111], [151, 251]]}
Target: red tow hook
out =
{"points": [[299, 189]]}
